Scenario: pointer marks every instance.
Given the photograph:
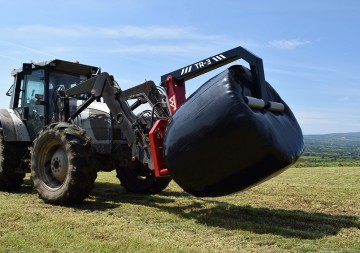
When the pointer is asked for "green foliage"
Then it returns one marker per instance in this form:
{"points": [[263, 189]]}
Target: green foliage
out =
{"points": [[335, 150], [301, 210]]}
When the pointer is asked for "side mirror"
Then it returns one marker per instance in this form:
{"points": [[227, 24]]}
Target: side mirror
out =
{"points": [[10, 91]]}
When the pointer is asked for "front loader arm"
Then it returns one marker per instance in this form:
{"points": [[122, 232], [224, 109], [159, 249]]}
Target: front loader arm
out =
{"points": [[104, 86]]}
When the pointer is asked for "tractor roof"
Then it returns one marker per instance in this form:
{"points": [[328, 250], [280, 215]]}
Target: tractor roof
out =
{"points": [[63, 66]]}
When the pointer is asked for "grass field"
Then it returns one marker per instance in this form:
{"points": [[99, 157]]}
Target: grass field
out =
{"points": [[302, 210]]}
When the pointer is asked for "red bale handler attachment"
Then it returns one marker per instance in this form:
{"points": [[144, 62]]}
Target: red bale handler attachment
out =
{"points": [[232, 133]]}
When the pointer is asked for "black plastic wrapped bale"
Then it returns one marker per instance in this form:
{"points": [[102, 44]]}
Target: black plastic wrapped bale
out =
{"points": [[216, 144]]}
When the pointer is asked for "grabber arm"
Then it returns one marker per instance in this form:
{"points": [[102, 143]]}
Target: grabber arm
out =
{"points": [[174, 82], [103, 85]]}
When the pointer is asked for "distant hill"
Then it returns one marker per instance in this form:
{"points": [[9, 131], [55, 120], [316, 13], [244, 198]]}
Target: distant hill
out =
{"points": [[347, 139], [339, 149]]}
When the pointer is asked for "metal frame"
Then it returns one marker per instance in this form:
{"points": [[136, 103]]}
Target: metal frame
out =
{"points": [[104, 86], [175, 80]]}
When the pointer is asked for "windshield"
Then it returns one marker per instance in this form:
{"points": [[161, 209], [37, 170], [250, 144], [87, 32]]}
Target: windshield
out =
{"points": [[57, 79], [61, 81]]}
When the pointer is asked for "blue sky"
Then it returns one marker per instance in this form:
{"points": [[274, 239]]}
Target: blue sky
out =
{"points": [[310, 49]]}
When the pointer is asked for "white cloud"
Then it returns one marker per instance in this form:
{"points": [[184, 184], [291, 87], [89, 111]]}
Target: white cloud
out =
{"points": [[149, 32], [163, 48], [288, 44], [109, 39], [73, 31], [26, 48], [136, 32]]}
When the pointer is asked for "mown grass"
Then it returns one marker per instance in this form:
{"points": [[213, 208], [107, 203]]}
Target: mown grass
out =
{"points": [[302, 210]]}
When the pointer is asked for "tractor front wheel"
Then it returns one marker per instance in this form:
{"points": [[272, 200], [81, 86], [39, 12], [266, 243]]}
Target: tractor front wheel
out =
{"points": [[61, 167], [140, 179]]}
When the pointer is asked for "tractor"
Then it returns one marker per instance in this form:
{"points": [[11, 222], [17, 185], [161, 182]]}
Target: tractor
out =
{"points": [[67, 121]]}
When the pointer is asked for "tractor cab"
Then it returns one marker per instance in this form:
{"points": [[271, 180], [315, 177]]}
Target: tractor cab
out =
{"points": [[33, 94]]}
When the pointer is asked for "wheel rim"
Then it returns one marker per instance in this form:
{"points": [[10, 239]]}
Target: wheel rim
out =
{"points": [[53, 164], [58, 164]]}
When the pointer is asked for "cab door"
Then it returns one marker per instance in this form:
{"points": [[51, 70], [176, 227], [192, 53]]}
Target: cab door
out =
{"points": [[31, 100]]}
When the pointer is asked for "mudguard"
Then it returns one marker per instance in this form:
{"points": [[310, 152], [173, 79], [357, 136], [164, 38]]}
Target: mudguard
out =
{"points": [[216, 144], [13, 127]]}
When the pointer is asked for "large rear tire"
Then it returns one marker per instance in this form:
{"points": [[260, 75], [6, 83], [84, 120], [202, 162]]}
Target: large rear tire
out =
{"points": [[61, 166], [140, 179], [11, 175]]}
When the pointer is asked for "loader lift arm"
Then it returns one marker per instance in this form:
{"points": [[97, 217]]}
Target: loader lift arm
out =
{"points": [[103, 85], [148, 92]]}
